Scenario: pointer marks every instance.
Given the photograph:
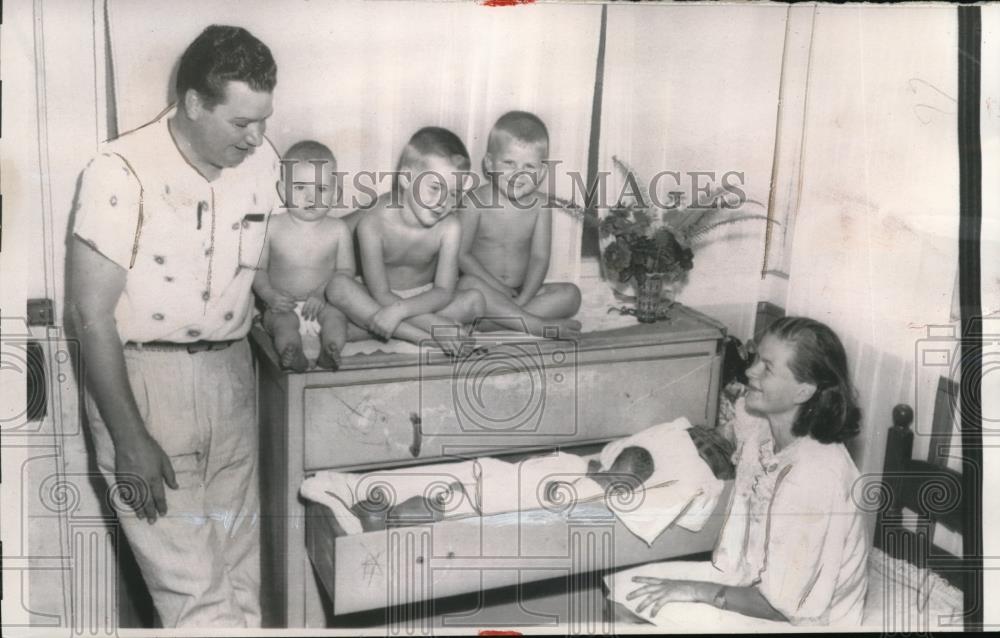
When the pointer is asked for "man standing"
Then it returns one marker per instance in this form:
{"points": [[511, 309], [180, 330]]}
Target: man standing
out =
{"points": [[169, 226]]}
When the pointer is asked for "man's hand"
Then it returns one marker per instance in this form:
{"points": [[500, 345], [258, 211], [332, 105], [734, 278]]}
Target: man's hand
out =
{"points": [[384, 322], [143, 465], [278, 301], [312, 307]]}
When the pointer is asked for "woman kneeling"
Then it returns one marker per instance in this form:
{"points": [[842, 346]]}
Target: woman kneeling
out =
{"points": [[793, 548]]}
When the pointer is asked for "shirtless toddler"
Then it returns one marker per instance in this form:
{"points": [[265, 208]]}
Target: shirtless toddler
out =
{"points": [[507, 235], [302, 251]]}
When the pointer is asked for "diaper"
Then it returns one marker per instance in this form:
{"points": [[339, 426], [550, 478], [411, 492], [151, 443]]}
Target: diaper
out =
{"points": [[413, 292], [307, 327], [309, 331]]}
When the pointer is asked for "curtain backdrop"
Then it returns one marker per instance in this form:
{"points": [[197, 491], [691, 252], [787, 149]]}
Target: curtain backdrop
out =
{"points": [[363, 76], [875, 251]]}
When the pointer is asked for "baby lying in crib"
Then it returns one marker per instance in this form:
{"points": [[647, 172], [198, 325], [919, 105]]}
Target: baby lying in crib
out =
{"points": [[631, 468], [634, 465]]}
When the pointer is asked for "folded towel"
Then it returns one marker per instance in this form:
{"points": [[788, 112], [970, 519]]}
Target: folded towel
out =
{"points": [[682, 488], [340, 491]]}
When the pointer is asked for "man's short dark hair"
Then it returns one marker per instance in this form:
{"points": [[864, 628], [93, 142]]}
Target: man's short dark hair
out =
{"points": [[223, 54]]}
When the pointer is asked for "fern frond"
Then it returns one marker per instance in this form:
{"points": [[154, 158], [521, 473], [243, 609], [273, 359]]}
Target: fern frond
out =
{"points": [[681, 220], [627, 170], [703, 229], [565, 204]]}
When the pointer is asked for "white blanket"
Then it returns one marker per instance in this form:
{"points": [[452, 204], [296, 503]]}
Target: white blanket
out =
{"points": [[682, 489], [340, 491]]}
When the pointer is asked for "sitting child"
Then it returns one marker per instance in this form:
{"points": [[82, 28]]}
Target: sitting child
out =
{"points": [[303, 249], [416, 510], [507, 234], [409, 250]]}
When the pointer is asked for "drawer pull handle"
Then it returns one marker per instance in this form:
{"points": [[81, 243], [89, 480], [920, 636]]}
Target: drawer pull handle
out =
{"points": [[451, 554], [420, 560], [417, 434]]}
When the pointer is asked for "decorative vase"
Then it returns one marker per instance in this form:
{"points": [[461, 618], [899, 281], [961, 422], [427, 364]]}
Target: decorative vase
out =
{"points": [[648, 297]]}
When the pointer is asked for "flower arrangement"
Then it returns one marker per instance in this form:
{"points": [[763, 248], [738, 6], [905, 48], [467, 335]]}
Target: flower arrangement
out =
{"points": [[651, 245]]}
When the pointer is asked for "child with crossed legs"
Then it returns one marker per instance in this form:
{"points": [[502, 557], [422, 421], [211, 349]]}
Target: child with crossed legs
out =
{"points": [[409, 250]]}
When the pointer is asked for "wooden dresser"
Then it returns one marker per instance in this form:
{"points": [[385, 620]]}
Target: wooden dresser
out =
{"points": [[392, 410]]}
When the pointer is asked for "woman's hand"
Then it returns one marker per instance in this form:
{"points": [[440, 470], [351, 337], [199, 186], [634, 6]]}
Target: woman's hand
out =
{"points": [[660, 591]]}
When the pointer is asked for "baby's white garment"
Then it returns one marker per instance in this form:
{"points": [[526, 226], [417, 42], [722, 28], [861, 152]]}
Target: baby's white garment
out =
{"points": [[309, 332], [413, 292], [307, 327]]}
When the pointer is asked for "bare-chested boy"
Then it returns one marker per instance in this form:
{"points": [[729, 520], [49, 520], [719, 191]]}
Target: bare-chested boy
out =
{"points": [[507, 234], [302, 251], [409, 250]]}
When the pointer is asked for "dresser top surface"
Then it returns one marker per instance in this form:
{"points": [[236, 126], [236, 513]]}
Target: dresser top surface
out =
{"points": [[685, 325]]}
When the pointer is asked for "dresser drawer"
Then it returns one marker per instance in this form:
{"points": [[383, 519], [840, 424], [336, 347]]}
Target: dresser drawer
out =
{"points": [[407, 565], [512, 398]]}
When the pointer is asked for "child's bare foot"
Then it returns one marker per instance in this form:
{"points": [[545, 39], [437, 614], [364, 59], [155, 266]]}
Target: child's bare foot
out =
{"points": [[451, 344], [292, 358], [329, 357]]}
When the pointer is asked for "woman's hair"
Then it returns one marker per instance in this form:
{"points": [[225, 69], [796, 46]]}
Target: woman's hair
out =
{"points": [[831, 415]]}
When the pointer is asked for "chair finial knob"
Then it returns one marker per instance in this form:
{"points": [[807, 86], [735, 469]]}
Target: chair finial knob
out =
{"points": [[902, 416]]}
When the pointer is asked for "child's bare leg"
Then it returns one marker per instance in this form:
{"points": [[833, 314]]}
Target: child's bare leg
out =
{"points": [[506, 315], [445, 332], [284, 328], [353, 300], [446, 325], [356, 332], [332, 336], [555, 301]]}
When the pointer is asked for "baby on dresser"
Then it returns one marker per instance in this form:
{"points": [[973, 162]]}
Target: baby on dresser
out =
{"points": [[304, 249]]}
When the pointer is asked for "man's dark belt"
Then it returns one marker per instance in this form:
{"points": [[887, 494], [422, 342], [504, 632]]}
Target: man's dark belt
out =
{"points": [[192, 347]]}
